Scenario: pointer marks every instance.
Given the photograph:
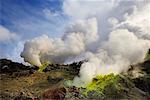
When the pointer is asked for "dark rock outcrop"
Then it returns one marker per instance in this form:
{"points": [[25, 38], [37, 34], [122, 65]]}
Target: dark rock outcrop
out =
{"points": [[15, 69], [54, 94]]}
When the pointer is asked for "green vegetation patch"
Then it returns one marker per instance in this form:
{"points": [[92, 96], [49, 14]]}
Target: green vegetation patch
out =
{"points": [[102, 84]]}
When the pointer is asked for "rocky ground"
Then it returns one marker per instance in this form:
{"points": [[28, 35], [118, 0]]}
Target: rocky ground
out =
{"points": [[20, 82]]}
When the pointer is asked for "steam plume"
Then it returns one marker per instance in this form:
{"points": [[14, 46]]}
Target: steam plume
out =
{"points": [[77, 39], [127, 44]]}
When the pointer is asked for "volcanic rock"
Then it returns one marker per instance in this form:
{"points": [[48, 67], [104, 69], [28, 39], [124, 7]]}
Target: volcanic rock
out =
{"points": [[15, 69], [54, 94]]}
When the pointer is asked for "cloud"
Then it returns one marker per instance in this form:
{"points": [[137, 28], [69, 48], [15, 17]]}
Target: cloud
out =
{"points": [[10, 44], [139, 21], [105, 11], [6, 35], [48, 13], [80, 9]]}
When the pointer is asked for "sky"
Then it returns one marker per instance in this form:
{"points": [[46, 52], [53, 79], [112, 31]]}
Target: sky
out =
{"points": [[31, 16], [23, 20]]}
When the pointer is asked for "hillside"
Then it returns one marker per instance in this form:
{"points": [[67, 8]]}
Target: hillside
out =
{"points": [[20, 82]]}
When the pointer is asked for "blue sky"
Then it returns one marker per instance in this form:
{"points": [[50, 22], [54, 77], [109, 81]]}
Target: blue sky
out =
{"points": [[29, 19]]}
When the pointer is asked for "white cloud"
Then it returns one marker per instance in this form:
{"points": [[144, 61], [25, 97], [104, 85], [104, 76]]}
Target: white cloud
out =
{"points": [[78, 38], [6, 35], [79, 9], [48, 13], [140, 21]]}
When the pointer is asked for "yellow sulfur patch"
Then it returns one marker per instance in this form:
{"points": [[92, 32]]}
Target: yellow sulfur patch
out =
{"points": [[44, 65]]}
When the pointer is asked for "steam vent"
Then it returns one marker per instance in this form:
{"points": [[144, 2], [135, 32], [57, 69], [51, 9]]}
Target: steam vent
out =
{"points": [[74, 50]]}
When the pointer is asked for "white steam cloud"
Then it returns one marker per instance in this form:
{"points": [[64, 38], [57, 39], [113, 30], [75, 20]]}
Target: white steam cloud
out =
{"points": [[77, 39], [127, 43]]}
